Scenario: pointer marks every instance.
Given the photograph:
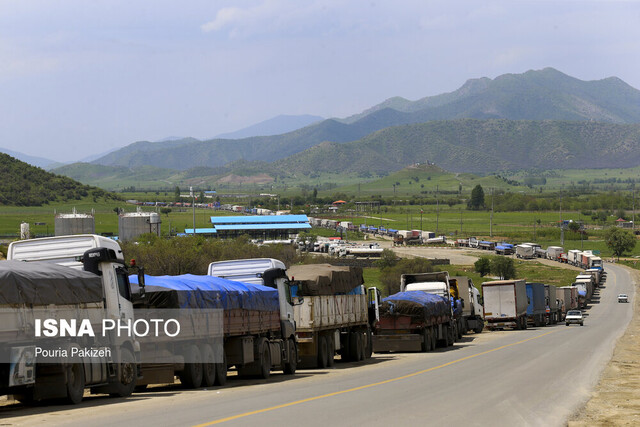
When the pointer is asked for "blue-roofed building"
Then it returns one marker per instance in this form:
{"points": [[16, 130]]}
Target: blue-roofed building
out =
{"points": [[261, 227]]}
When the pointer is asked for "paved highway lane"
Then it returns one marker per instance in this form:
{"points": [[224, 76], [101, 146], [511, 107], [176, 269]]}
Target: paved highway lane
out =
{"points": [[533, 377]]}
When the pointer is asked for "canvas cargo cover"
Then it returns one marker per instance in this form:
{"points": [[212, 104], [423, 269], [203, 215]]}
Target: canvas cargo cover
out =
{"points": [[193, 291], [415, 303], [43, 283], [325, 279]]}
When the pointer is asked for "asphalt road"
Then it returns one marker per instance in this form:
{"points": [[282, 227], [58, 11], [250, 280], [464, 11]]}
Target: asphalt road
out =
{"points": [[535, 377]]}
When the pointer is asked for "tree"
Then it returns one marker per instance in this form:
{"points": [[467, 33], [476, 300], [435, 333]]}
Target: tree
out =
{"points": [[177, 194], [503, 267], [574, 226], [483, 266], [165, 211], [388, 258], [477, 198], [619, 241]]}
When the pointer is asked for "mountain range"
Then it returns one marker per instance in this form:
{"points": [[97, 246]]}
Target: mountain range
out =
{"points": [[539, 119]]}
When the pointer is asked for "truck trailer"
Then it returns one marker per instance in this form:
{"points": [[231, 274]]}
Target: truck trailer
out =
{"points": [[553, 311], [505, 304], [413, 321], [245, 325], [438, 283], [334, 316], [536, 308]]}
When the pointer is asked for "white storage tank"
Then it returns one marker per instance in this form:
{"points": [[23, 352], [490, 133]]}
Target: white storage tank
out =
{"points": [[133, 224], [74, 223]]}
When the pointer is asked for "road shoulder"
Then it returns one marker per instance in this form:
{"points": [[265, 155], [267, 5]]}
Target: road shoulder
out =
{"points": [[616, 398]]}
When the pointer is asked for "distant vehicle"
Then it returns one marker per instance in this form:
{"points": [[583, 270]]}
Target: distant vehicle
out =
{"points": [[623, 298], [574, 316]]}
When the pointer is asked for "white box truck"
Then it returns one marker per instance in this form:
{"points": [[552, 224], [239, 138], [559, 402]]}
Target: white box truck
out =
{"points": [[505, 304]]}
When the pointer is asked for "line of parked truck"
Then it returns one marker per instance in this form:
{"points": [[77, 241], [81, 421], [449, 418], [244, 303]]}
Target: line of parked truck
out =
{"points": [[266, 317]]}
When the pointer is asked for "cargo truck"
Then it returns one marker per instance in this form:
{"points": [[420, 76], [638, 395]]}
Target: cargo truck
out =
{"points": [[334, 317], [525, 251], [505, 304], [413, 321], [438, 283], [70, 279], [246, 325], [553, 308], [571, 297], [472, 312], [536, 307], [574, 257], [553, 252], [505, 249]]}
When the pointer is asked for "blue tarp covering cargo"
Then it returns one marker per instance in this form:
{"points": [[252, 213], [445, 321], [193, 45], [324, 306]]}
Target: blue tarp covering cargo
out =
{"points": [[415, 303], [192, 291]]}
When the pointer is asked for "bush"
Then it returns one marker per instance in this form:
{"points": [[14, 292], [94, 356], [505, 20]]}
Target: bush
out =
{"points": [[483, 266]]}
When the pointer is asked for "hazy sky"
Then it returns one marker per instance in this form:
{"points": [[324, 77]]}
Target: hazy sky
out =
{"points": [[79, 77]]}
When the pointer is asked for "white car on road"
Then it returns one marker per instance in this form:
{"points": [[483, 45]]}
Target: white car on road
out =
{"points": [[574, 316], [623, 298]]}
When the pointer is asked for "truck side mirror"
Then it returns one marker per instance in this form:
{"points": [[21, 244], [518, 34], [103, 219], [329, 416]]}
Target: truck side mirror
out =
{"points": [[297, 300]]}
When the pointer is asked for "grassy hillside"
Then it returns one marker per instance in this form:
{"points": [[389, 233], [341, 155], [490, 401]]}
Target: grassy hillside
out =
{"points": [[479, 146], [24, 185]]}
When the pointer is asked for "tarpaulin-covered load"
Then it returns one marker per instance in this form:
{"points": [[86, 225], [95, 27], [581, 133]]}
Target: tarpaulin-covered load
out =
{"points": [[192, 291], [415, 303], [43, 283], [325, 279]]}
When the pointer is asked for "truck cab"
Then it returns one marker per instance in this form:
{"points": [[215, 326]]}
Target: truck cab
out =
{"points": [[115, 374]]}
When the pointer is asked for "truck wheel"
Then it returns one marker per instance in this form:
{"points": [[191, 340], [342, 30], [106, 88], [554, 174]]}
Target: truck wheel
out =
{"points": [[434, 337], [362, 346], [208, 366], [191, 376], [75, 383], [291, 366], [359, 346], [322, 352], [369, 347], [425, 345], [331, 351], [221, 371], [355, 343], [265, 361], [459, 331], [127, 375], [478, 329]]}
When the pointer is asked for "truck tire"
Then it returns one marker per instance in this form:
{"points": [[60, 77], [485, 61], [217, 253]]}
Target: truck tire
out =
{"points": [[355, 346], [425, 345], [292, 351], [478, 329], [191, 376], [331, 351], [221, 371], [75, 383], [208, 366], [369, 347], [127, 375], [261, 367], [322, 352], [434, 338]]}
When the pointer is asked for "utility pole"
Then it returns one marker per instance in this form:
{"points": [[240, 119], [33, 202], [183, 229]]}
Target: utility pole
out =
{"points": [[460, 221], [633, 211], [437, 209], [193, 205], [491, 217], [437, 215]]}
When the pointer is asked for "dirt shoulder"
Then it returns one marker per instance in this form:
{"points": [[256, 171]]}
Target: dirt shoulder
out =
{"points": [[616, 398]]}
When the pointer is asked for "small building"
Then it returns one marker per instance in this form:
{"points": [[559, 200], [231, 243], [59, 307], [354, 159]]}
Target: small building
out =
{"points": [[257, 227]]}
